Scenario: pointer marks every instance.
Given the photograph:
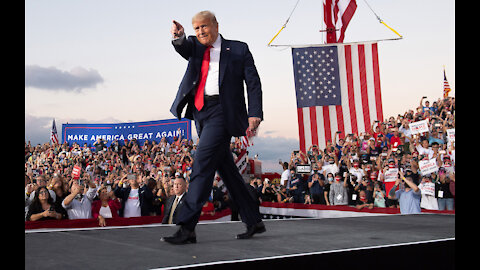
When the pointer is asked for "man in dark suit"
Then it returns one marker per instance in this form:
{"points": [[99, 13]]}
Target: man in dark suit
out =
{"points": [[212, 90], [175, 203]]}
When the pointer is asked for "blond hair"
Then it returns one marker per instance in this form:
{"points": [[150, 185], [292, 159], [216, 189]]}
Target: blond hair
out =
{"points": [[206, 14]]}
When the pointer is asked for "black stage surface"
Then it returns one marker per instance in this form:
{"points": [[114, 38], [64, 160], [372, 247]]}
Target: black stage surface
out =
{"points": [[387, 241]]}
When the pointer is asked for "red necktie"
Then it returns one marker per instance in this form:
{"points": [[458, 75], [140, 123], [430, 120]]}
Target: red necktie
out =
{"points": [[203, 79]]}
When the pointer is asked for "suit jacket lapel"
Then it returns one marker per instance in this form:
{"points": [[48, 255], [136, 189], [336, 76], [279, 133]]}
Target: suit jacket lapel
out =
{"points": [[224, 56]]}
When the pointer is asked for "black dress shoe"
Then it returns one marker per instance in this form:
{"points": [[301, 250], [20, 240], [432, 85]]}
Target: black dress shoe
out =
{"points": [[251, 230], [182, 236]]}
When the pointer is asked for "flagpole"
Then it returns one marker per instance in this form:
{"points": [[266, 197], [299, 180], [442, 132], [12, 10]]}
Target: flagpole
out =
{"points": [[330, 44]]}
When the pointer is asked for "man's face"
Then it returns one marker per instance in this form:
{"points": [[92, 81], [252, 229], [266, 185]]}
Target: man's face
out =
{"points": [[205, 30], [425, 143], [179, 186], [133, 182]]}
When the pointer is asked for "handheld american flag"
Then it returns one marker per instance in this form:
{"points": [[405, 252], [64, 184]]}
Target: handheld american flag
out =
{"points": [[337, 89], [446, 86], [54, 136], [247, 140]]}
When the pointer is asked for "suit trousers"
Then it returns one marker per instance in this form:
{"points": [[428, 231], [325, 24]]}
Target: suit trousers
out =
{"points": [[213, 154]]}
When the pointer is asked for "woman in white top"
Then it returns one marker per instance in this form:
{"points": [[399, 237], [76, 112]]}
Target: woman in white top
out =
{"points": [[106, 206]]}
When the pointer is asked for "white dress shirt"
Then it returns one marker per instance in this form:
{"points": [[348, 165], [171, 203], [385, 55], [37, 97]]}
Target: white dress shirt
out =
{"points": [[211, 86]]}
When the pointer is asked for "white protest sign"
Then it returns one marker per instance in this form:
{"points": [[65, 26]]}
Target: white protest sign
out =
{"points": [[428, 166], [391, 175], [418, 127], [427, 188], [451, 135]]}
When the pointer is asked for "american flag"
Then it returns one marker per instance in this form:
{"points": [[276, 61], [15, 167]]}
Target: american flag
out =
{"points": [[54, 136], [247, 140], [337, 89], [446, 86], [338, 13]]}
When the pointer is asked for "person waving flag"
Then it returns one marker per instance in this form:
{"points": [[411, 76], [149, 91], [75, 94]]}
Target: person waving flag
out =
{"points": [[446, 86], [54, 136]]}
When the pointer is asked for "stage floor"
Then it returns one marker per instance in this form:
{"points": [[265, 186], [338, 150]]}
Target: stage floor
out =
{"points": [[140, 247]]}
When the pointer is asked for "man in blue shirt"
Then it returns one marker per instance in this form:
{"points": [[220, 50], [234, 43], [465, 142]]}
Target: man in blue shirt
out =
{"points": [[408, 195], [298, 188], [315, 184]]}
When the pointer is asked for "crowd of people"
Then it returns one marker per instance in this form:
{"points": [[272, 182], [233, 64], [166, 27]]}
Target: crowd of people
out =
{"points": [[130, 180], [126, 180], [381, 168]]}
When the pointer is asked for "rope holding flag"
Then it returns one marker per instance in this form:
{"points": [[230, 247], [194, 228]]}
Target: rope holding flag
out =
{"points": [[381, 21], [285, 24]]}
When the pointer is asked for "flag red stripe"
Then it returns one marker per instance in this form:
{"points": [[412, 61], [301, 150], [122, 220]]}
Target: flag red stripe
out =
{"points": [[313, 125], [326, 124], [330, 24], [376, 81], [335, 11], [340, 124], [363, 86], [351, 95], [346, 17], [301, 132]]}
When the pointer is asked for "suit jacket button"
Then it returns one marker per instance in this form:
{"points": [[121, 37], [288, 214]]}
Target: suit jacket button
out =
{"points": [[194, 83]]}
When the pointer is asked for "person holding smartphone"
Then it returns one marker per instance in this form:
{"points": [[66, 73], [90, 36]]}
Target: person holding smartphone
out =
{"points": [[136, 201], [408, 195], [106, 206], [43, 207], [79, 203]]}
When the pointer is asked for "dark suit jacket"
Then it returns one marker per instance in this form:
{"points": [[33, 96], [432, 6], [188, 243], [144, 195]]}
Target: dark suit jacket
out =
{"points": [[168, 208], [236, 67]]}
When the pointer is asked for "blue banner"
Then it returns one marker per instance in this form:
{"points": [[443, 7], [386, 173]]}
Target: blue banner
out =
{"points": [[141, 131]]}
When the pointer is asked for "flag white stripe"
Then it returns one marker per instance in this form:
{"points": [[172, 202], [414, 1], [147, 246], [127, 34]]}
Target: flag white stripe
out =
{"points": [[344, 90], [333, 122], [307, 127], [320, 128], [372, 104], [357, 88]]}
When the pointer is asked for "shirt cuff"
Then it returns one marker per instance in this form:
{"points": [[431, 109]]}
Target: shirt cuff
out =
{"points": [[179, 40]]}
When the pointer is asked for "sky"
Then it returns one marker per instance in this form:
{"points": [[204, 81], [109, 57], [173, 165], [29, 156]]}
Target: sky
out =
{"points": [[112, 61]]}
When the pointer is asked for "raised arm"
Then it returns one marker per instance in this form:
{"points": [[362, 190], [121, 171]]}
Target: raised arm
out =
{"points": [[179, 40]]}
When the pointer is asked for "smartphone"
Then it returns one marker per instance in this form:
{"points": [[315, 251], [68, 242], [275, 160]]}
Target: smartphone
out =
{"points": [[131, 176]]}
